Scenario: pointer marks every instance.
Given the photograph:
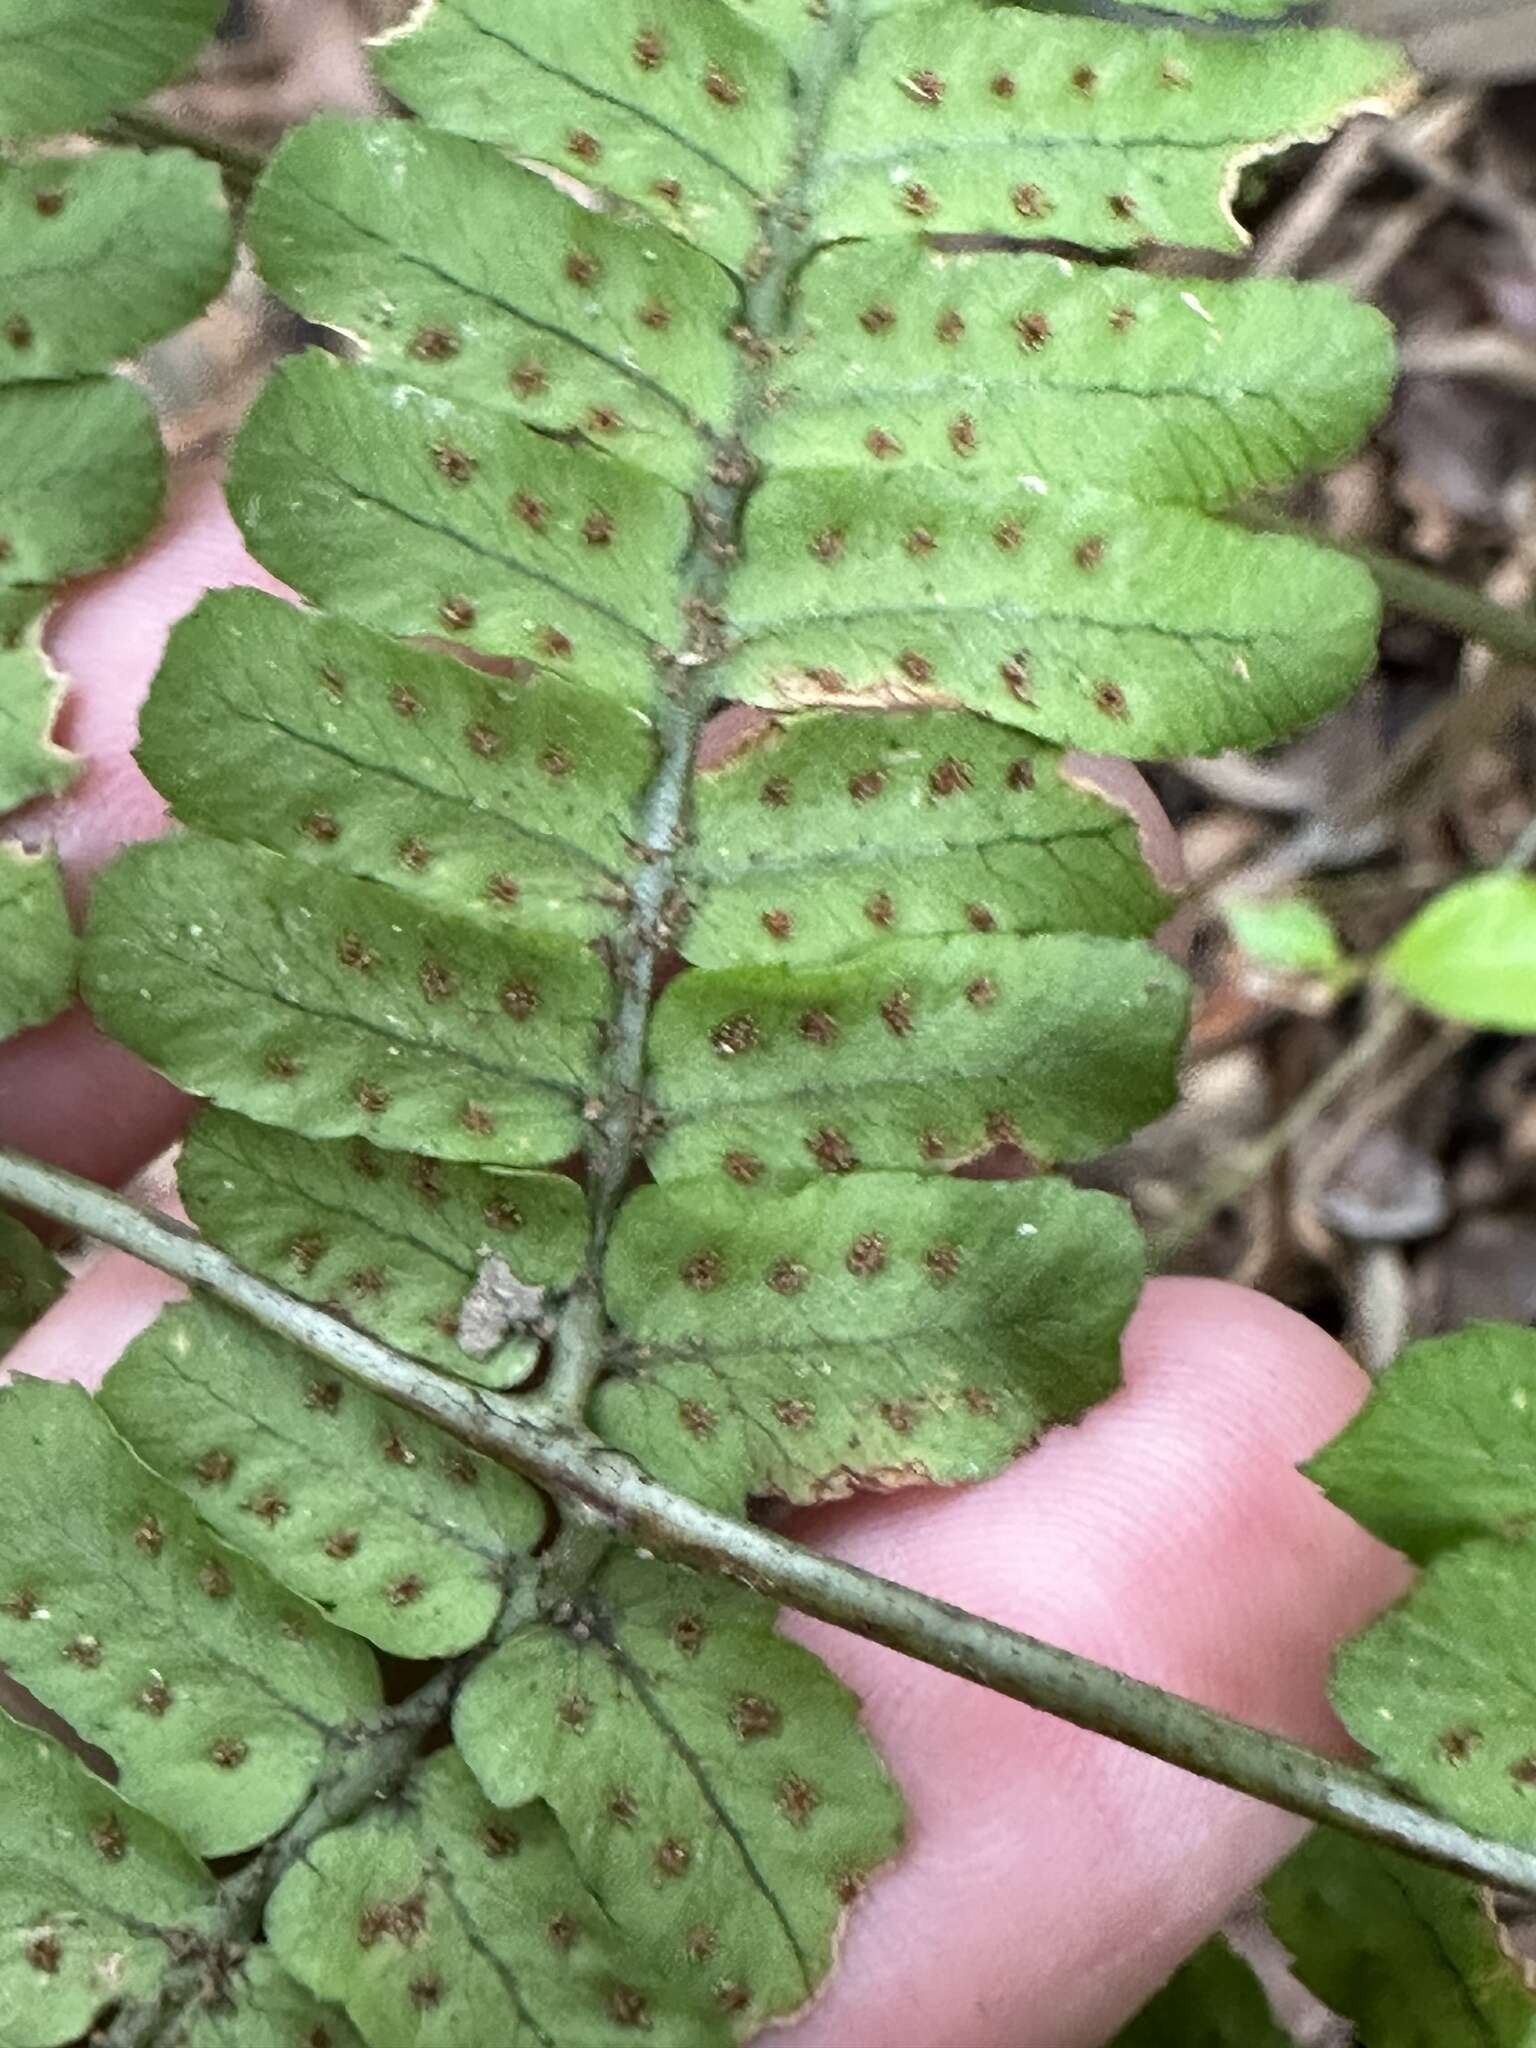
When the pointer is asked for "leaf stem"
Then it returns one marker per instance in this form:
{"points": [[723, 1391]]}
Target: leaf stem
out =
{"points": [[146, 130], [574, 1465]]}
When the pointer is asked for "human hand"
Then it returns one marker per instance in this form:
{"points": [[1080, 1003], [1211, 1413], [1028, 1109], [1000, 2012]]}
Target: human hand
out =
{"points": [[1052, 1879]]}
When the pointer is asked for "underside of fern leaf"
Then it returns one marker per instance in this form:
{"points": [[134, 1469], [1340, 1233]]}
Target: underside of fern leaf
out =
{"points": [[737, 418]]}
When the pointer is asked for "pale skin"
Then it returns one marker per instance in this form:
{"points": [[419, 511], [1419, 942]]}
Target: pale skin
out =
{"points": [[1052, 1879]]}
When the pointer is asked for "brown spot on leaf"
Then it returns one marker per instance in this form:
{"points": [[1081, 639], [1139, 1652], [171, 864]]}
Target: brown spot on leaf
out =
{"points": [[722, 88], [321, 827], [754, 1718], [1020, 774], [982, 992], [881, 445], [84, 1651], [830, 546], [18, 332], [920, 542], [897, 1012], [794, 1414], [950, 326], [1122, 206], [880, 910], [156, 1698], [108, 1839], [688, 1634], [878, 319], [775, 793], [797, 1799], [519, 1000], [979, 918], [50, 204], [673, 1857], [268, 1507], [699, 1421], [778, 924], [942, 1262], [917, 200], [926, 87], [733, 1035], [400, 1920], [1033, 329], [532, 511], [656, 316], [563, 1932], [396, 1450], [1019, 678], [426, 1992], [868, 1255], [415, 855], [407, 1591], [962, 435], [215, 1468], [1122, 319], [149, 1536], [43, 1952], [831, 1151], [1004, 85], [863, 788], [498, 1839], [649, 49], [457, 614], [342, 1544], [1030, 203], [582, 267], [1089, 553], [604, 419], [700, 1944], [1109, 699], [917, 667], [435, 345], [743, 1167], [951, 777], [215, 1580], [557, 645], [1457, 1744], [1001, 1128], [670, 190], [598, 530], [703, 1272], [228, 1752], [788, 1276], [623, 1808], [438, 983], [504, 889], [979, 1401], [1085, 78], [584, 146], [477, 1120], [454, 464], [574, 1712]]}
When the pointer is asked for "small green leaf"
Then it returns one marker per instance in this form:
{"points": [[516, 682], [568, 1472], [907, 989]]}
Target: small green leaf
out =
{"points": [[1470, 955], [422, 514], [1445, 1449], [389, 1525], [32, 763], [507, 798], [1215, 2001], [1412, 1957], [690, 108], [443, 1920], [1164, 389], [65, 63], [470, 277], [712, 1779], [869, 1332], [263, 2008], [1091, 619], [214, 1692], [311, 1001], [151, 232], [36, 940], [394, 1239], [972, 119], [919, 1055], [985, 830], [1286, 933], [31, 1280], [1442, 1689], [91, 1892], [82, 477]]}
